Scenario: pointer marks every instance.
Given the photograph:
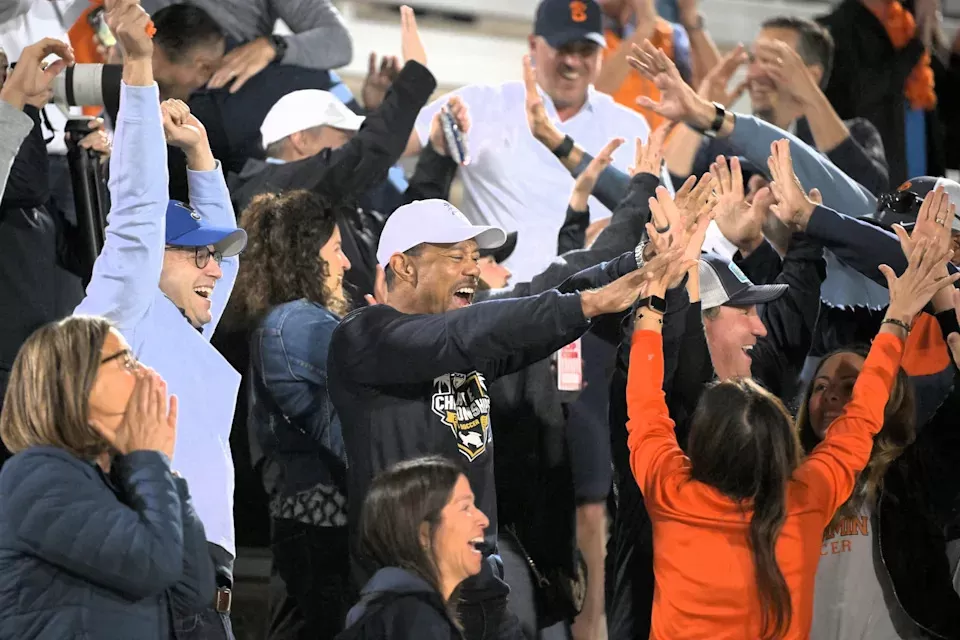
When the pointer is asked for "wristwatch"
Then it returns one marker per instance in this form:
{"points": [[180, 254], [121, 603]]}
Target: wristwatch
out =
{"points": [[721, 114], [564, 148], [279, 44], [638, 254], [655, 303]]}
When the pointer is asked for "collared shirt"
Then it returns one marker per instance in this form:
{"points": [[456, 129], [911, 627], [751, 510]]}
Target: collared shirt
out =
{"points": [[515, 182], [125, 289]]}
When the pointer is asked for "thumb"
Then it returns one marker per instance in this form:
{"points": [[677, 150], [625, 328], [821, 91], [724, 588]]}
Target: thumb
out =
{"points": [[903, 236], [953, 340], [370, 300], [815, 195], [889, 274], [172, 414]]}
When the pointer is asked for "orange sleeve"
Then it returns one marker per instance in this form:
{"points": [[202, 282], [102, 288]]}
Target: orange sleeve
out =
{"points": [[651, 439], [831, 470]]}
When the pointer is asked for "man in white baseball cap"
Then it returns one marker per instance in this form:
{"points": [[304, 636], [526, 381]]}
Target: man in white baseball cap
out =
{"points": [[409, 378], [306, 121], [429, 248]]}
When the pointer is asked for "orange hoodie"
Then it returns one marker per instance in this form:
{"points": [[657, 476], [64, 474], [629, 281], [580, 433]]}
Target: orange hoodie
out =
{"points": [[705, 577]]}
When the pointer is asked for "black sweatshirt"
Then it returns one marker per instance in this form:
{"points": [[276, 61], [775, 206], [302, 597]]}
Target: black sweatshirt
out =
{"points": [[343, 175], [411, 385]]}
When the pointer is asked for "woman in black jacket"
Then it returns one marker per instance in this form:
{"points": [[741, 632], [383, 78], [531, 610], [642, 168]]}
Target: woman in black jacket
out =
{"points": [[97, 535], [419, 529]]}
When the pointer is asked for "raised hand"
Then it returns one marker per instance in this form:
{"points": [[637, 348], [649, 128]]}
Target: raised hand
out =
{"points": [[410, 45], [461, 114], [794, 207], [672, 229], [740, 223], [911, 292], [586, 181], [148, 424], [620, 294], [648, 158], [714, 86], [132, 28], [537, 118], [180, 127], [695, 197], [31, 80], [934, 222], [378, 80]]}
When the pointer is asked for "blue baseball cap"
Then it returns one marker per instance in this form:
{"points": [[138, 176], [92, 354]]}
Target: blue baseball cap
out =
{"points": [[187, 228]]}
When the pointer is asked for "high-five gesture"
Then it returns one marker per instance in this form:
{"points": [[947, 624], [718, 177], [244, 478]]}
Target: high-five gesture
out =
{"points": [[411, 48], [620, 294], [648, 158], [794, 207], [934, 222], [31, 80], [739, 222], [715, 86], [537, 119], [586, 181], [911, 292]]}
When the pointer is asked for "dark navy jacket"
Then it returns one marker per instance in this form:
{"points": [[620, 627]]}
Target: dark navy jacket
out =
{"points": [[398, 605], [87, 556]]}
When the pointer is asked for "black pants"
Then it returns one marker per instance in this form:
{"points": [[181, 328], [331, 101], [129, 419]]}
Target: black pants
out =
{"points": [[311, 593], [209, 624]]}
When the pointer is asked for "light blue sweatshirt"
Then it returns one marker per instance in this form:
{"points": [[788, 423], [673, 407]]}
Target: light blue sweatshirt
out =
{"points": [[125, 289], [752, 138]]}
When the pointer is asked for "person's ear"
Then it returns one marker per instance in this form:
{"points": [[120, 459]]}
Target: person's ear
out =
{"points": [[404, 268], [816, 71]]}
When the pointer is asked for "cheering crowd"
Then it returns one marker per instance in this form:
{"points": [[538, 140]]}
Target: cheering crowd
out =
{"points": [[715, 352]]}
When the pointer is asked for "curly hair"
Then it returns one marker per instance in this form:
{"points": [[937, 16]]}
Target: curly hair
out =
{"points": [[282, 258]]}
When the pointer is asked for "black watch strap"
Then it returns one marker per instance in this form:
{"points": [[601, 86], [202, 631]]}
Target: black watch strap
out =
{"points": [[655, 303], [718, 119], [279, 44], [564, 149]]}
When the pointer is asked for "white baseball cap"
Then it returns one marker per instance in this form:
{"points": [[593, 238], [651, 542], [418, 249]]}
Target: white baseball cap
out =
{"points": [[434, 222], [306, 109]]}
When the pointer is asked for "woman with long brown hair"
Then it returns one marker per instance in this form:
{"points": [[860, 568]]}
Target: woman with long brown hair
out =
{"points": [[737, 522], [97, 535], [883, 570], [291, 300]]}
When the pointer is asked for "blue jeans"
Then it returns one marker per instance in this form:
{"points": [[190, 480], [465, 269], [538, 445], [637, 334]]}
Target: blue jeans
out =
{"points": [[207, 625]]}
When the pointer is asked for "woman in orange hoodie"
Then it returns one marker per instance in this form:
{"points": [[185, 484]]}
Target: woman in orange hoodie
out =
{"points": [[738, 522]]}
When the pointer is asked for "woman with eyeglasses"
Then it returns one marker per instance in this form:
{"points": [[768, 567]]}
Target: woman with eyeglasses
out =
{"points": [[419, 532], [97, 534], [289, 305]]}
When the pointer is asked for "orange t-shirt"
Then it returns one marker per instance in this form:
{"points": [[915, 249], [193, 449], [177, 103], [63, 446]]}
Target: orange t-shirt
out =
{"points": [[635, 85], [705, 578]]}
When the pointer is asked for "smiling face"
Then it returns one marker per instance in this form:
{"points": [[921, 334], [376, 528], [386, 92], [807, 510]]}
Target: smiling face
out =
{"points": [[565, 73], [188, 286], [337, 264], [457, 537], [832, 389], [444, 277], [731, 333], [493, 274]]}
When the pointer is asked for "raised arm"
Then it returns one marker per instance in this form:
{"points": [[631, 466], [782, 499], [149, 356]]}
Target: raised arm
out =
{"points": [[831, 470], [127, 273]]}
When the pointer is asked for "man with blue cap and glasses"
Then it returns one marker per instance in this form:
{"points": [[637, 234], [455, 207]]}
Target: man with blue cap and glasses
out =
{"points": [[164, 277]]}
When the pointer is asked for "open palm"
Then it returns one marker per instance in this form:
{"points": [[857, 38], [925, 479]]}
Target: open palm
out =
{"points": [[678, 100]]}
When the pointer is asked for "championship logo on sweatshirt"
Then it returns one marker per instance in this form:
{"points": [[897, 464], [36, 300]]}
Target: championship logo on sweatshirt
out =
{"points": [[462, 403]]}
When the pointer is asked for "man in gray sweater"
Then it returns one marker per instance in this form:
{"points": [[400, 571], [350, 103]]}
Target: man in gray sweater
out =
{"points": [[320, 39]]}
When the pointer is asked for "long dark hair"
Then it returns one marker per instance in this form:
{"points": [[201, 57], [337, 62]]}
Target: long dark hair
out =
{"points": [[743, 444], [898, 432], [283, 263], [400, 501]]}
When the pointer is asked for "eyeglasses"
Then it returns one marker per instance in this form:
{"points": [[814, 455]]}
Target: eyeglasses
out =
{"points": [[129, 362], [202, 255]]}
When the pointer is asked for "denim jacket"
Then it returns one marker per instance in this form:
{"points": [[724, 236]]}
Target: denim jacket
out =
{"points": [[291, 416]]}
